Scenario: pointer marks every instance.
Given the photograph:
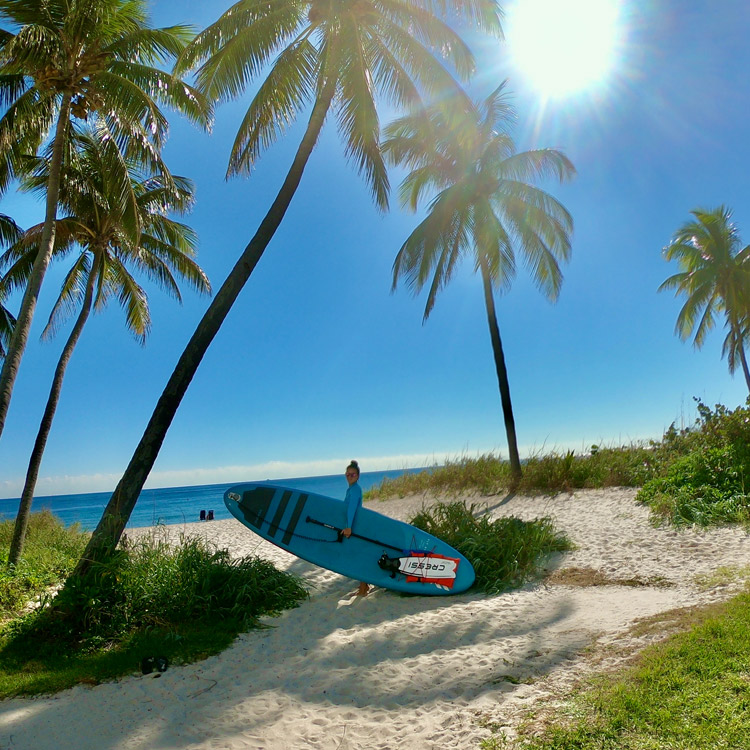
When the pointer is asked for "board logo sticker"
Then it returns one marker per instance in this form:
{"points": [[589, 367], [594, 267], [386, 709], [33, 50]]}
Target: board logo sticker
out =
{"points": [[422, 567]]}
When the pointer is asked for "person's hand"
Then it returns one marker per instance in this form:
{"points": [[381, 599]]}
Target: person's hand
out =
{"points": [[346, 532]]}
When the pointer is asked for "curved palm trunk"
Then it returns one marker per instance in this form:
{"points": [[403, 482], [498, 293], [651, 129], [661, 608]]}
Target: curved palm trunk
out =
{"points": [[502, 374], [21, 330], [121, 504], [32, 473]]}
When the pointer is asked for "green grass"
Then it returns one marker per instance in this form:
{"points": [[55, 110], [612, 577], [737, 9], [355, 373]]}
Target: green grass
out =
{"points": [[688, 693], [183, 601], [505, 553]]}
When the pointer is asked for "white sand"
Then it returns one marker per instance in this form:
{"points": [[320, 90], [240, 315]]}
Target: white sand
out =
{"points": [[387, 671]]}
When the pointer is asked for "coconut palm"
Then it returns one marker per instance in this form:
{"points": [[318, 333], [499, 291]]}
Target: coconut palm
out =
{"points": [[482, 206], [333, 56], [10, 232], [117, 218], [66, 59], [715, 279]]}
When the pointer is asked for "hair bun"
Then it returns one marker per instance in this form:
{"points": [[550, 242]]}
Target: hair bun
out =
{"points": [[354, 464]]}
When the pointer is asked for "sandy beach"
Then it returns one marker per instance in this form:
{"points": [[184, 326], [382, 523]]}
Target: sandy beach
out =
{"points": [[388, 671]]}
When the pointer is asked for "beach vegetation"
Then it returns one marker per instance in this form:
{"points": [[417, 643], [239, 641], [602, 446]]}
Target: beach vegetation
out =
{"points": [[89, 60], [151, 598], [116, 215], [483, 206], [705, 476], [554, 471], [504, 552], [688, 691], [52, 551], [715, 279], [323, 58]]}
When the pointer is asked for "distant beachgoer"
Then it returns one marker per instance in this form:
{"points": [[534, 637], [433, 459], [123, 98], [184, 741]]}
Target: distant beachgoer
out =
{"points": [[353, 502], [210, 516]]}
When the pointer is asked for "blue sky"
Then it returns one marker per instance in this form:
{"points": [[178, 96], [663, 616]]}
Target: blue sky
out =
{"points": [[319, 363]]}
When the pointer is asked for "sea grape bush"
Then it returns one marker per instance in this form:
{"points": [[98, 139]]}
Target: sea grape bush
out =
{"points": [[705, 475]]}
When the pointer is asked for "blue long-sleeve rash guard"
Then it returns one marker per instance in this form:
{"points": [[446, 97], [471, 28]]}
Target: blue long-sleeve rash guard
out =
{"points": [[353, 502]]}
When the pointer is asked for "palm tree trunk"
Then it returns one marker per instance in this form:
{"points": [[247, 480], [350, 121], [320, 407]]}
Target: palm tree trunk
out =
{"points": [[120, 506], [32, 473], [502, 375], [31, 295]]}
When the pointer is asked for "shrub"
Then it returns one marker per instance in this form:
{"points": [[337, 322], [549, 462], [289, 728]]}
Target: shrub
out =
{"points": [[505, 553], [155, 584], [705, 471]]}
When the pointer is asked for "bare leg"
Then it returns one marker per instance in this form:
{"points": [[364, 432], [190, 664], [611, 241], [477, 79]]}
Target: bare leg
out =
{"points": [[364, 589]]}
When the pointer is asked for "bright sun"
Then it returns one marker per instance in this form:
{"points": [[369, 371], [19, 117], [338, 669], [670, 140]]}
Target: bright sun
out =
{"points": [[563, 47]]}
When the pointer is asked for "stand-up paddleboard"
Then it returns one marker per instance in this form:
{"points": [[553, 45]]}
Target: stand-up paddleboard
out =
{"points": [[381, 550]]}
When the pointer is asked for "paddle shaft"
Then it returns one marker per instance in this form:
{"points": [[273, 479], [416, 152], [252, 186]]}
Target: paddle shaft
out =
{"points": [[340, 532]]}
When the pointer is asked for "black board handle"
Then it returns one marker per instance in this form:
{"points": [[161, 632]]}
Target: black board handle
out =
{"points": [[339, 531]]}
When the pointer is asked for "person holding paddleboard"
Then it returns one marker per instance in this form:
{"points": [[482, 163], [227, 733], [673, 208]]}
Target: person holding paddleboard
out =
{"points": [[353, 502]]}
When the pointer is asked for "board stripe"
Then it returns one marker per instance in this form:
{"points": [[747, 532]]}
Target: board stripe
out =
{"points": [[255, 504], [278, 515], [289, 531]]}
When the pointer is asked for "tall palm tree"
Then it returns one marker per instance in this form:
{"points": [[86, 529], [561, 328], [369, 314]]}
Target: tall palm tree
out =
{"points": [[66, 59], [333, 55], [102, 195], [715, 279], [482, 205]]}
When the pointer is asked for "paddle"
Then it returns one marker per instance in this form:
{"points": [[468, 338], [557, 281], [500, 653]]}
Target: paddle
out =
{"points": [[340, 532]]}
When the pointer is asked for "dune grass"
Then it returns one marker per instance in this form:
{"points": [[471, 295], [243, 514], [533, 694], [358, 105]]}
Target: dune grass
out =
{"points": [[182, 601], [489, 474]]}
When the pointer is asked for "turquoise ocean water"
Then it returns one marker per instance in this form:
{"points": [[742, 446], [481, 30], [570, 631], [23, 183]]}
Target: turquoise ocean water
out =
{"points": [[172, 505]]}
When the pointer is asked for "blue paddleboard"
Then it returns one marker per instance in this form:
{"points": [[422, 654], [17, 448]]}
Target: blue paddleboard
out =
{"points": [[381, 551]]}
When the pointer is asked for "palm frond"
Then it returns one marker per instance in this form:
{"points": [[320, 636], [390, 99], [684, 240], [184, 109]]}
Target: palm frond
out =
{"points": [[288, 87], [239, 45], [357, 117], [132, 299], [125, 99], [150, 46], [71, 295]]}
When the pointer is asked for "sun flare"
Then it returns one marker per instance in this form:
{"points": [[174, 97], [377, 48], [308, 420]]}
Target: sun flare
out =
{"points": [[562, 48]]}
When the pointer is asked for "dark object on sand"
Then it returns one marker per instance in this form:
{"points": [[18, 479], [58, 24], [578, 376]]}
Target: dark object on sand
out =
{"points": [[154, 663]]}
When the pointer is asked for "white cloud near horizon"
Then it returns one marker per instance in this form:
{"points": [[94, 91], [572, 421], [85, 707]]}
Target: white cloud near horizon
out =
{"points": [[84, 483]]}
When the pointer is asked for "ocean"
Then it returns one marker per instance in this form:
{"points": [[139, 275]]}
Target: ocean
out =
{"points": [[172, 505]]}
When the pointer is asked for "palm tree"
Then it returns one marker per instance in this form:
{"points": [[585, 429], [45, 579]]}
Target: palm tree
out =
{"points": [[336, 55], [483, 206], [10, 232], [715, 278], [118, 218], [69, 59]]}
